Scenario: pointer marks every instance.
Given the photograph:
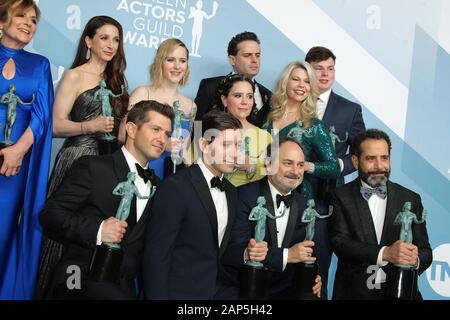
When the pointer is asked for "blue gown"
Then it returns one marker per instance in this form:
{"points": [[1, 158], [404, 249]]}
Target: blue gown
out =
{"points": [[23, 196], [158, 164]]}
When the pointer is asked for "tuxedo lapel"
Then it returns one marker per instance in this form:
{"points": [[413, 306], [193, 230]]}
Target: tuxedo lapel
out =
{"points": [[298, 203], [330, 109], [121, 170], [263, 92], [391, 212], [137, 230], [265, 191], [231, 195], [204, 194], [364, 214]]}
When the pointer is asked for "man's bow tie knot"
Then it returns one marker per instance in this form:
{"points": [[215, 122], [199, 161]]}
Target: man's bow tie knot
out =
{"points": [[286, 199], [146, 174], [380, 191], [216, 182]]}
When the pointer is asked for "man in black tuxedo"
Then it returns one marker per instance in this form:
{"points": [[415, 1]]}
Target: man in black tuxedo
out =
{"points": [[244, 55], [362, 230], [191, 219], [346, 118], [285, 236], [81, 213]]}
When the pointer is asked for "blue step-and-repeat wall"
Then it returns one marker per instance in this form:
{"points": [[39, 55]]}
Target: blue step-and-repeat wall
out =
{"points": [[393, 58]]}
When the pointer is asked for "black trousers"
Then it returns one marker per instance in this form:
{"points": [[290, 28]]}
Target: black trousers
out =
{"points": [[125, 290]]}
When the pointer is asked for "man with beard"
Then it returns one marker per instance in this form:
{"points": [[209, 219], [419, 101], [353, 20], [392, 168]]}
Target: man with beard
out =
{"points": [[362, 231], [284, 244]]}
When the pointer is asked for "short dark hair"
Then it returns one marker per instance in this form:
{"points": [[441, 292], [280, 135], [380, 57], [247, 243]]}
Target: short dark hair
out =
{"points": [[362, 136], [282, 141], [219, 120], [317, 54], [244, 36], [139, 113], [227, 83]]}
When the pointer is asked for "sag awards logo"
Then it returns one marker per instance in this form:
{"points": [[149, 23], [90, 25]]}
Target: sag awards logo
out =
{"points": [[157, 20], [438, 274]]}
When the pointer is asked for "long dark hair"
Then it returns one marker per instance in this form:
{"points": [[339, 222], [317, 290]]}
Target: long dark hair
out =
{"points": [[114, 72]]}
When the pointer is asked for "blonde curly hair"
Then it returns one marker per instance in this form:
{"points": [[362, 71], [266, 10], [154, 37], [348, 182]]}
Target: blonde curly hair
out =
{"points": [[307, 108]]}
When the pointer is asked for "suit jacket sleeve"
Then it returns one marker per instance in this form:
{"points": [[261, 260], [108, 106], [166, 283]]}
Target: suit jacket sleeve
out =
{"points": [[357, 126], [241, 233], [165, 222], [344, 245], [61, 218]]}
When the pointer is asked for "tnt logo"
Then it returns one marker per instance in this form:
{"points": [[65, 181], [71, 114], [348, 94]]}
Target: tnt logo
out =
{"points": [[438, 274]]}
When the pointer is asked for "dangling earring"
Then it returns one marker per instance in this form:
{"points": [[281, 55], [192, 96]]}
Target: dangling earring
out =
{"points": [[88, 54], [1, 33]]}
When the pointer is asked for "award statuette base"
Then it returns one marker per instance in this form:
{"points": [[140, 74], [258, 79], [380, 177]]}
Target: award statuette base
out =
{"points": [[401, 283], [105, 264], [253, 282], [304, 280], [3, 144], [107, 145]]}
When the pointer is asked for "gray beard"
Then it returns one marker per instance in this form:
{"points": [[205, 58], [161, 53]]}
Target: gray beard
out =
{"points": [[374, 181]]}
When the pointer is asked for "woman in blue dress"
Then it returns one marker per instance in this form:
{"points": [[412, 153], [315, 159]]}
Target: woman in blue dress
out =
{"points": [[78, 115], [24, 172], [168, 72]]}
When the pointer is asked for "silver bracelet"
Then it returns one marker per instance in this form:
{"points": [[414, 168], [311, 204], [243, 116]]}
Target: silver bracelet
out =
{"points": [[82, 130]]}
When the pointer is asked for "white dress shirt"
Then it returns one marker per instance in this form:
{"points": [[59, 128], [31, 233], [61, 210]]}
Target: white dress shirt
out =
{"points": [[143, 188], [280, 222], [219, 199], [258, 98], [377, 206], [322, 103]]}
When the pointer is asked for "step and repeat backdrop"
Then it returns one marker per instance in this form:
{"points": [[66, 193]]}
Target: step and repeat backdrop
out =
{"points": [[392, 58]]}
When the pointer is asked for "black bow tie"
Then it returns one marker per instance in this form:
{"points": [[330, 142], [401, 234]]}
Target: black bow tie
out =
{"points": [[216, 182], [380, 191], [145, 174], [286, 199]]}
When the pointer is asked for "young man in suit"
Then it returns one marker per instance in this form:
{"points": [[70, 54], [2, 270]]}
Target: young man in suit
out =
{"points": [[284, 244], [346, 118], [344, 115], [362, 230], [191, 220], [81, 213], [244, 55]]}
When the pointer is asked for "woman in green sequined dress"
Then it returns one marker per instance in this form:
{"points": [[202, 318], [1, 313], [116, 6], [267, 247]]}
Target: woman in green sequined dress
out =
{"points": [[293, 113]]}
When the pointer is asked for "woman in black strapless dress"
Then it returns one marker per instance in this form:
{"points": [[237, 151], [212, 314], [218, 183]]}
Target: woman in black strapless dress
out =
{"points": [[78, 116]]}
